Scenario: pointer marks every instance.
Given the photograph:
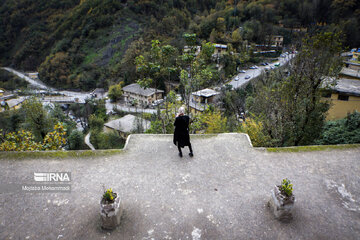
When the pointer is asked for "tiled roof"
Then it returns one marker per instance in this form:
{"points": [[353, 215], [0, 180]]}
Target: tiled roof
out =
{"points": [[348, 86], [135, 88], [126, 124]]}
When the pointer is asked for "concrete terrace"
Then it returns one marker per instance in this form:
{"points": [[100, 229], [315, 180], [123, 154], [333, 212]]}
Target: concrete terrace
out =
{"points": [[220, 193]]}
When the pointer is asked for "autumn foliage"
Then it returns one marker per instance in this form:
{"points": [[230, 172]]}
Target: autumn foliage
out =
{"points": [[24, 140]]}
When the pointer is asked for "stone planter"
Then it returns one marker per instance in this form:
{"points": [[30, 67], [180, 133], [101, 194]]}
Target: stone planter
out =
{"points": [[110, 213], [281, 206]]}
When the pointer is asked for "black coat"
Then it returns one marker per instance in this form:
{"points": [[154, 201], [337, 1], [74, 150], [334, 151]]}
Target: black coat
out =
{"points": [[181, 134]]}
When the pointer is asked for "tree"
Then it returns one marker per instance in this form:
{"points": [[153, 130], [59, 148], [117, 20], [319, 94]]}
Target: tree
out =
{"points": [[289, 102], [194, 71], [115, 92], [255, 130], [215, 123], [25, 141], [96, 123], [236, 38], [55, 140], [37, 119], [76, 140], [55, 70]]}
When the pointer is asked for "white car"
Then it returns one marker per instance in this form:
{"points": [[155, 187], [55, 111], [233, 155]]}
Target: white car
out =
{"points": [[242, 71], [247, 77]]}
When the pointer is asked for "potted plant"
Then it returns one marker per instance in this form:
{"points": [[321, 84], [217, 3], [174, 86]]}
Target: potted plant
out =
{"points": [[282, 201], [111, 209]]}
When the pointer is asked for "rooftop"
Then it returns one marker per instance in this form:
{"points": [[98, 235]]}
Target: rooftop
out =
{"points": [[207, 92], [136, 89], [220, 193], [347, 86], [350, 72], [126, 124], [220, 46], [15, 101], [352, 63]]}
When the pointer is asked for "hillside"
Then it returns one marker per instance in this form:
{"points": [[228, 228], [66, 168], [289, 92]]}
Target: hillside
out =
{"points": [[93, 43]]}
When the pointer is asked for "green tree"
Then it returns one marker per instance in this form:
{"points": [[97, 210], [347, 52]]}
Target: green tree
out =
{"points": [[115, 92], [75, 140], [37, 119], [56, 70], [290, 105], [96, 123], [215, 122]]}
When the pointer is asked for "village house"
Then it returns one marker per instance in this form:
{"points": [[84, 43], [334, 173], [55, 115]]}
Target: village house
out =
{"points": [[344, 97], [126, 125], [200, 100], [220, 49], [12, 104], [352, 59], [277, 41], [349, 73], [143, 96]]}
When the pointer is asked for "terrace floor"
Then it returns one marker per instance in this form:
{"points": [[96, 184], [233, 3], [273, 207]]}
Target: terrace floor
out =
{"points": [[220, 193]]}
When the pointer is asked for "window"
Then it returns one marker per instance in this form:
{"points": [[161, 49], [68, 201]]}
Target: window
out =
{"points": [[343, 97]]}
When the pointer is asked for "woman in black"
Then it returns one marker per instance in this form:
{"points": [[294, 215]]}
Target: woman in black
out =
{"points": [[181, 134]]}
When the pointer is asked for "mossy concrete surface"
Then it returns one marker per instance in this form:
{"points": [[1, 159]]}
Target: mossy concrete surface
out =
{"points": [[313, 148], [57, 154], [220, 193]]}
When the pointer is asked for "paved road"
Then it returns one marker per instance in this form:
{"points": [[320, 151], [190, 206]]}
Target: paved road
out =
{"points": [[38, 84], [220, 193], [82, 96], [253, 73], [87, 141]]}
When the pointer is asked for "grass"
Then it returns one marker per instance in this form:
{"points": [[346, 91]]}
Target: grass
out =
{"points": [[313, 148], [58, 154]]}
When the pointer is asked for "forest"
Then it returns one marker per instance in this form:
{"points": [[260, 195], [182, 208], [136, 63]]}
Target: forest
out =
{"points": [[94, 43]]}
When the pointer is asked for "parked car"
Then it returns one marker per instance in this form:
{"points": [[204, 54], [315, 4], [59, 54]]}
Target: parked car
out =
{"points": [[263, 64], [156, 103], [236, 78], [253, 67], [242, 71], [247, 77]]}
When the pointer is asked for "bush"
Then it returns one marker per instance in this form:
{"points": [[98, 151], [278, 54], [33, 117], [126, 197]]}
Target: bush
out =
{"points": [[25, 141], [96, 123], [103, 140], [256, 132], [343, 131], [115, 92], [76, 140]]}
